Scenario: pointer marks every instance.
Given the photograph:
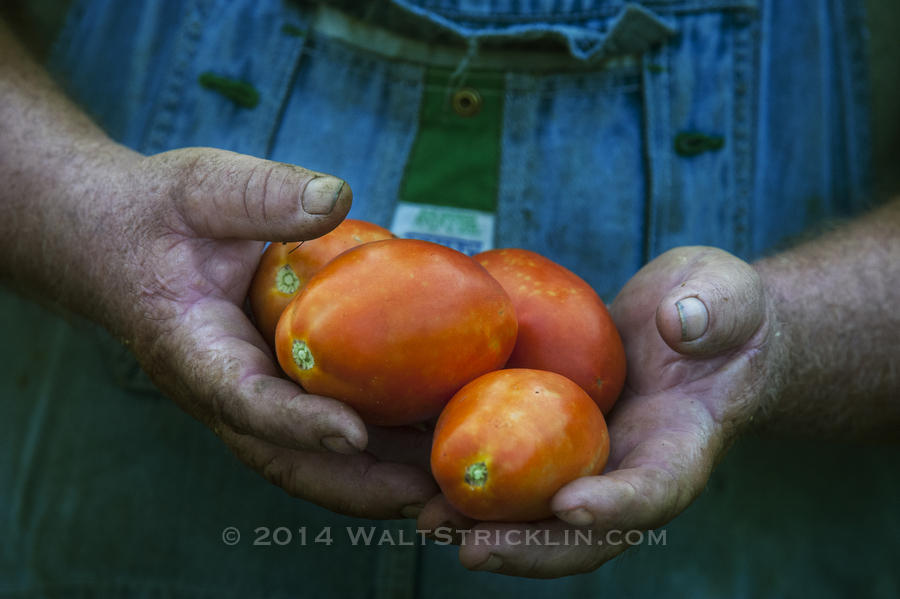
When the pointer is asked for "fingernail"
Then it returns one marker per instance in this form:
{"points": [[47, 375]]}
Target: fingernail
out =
{"points": [[412, 510], [321, 194], [338, 444], [490, 564], [576, 517], [693, 316]]}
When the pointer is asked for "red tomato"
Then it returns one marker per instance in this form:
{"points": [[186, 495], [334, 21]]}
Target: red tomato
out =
{"points": [[285, 268], [509, 440], [564, 326], [394, 328]]}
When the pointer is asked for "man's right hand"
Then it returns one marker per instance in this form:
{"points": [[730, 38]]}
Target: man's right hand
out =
{"points": [[160, 250], [185, 258]]}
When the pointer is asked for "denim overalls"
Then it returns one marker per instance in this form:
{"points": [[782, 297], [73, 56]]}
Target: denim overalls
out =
{"points": [[597, 132]]}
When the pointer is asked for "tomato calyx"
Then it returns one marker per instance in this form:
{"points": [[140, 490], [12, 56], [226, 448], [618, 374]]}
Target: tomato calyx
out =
{"points": [[476, 475], [303, 357], [286, 280]]}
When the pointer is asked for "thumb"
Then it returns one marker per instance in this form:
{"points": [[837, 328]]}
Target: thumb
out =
{"points": [[222, 194], [717, 307]]}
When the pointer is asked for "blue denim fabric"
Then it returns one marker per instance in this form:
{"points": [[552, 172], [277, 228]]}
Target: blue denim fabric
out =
{"points": [[111, 491]]}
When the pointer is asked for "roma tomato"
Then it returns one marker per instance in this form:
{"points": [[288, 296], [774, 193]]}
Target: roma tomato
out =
{"points": [[564, 326], [394, 328], [509, 440], [285, 268]]}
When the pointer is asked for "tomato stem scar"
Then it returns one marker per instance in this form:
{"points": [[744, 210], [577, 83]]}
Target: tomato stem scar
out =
{"points": [[301, 354], [476, 474], [286, 280]]}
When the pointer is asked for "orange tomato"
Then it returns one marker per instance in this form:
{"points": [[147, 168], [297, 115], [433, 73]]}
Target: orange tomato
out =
{"points": [[564, 326], [509, 440], [394, 328], [284, 269]]}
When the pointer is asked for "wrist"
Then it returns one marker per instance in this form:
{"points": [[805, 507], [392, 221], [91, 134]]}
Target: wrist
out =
{"points": [[756, 372], [68, 212], [777, 356]]}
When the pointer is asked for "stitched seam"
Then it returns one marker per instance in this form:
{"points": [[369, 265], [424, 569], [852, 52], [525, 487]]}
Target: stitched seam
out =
{"points": [[855, 59], [663, 6], [415, 137], [352, 62], [162, 126], [657, 120], [298, 50], [287, 64], [742, 132], [74, 18], [361, 62], [761, 116]]}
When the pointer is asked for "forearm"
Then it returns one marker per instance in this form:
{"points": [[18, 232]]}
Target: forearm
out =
{"points": [[57, 168], [836, 299]]}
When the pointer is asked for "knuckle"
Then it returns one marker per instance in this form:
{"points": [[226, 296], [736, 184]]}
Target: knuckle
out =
{"points": [[257, 196], [226, 409], [282, 473], [226, 402], [192, 169], [662, 498]]}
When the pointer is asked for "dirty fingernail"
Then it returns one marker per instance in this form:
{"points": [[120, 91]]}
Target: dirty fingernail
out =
{"points": [[321, 194], [693, 316], [338, 444], [577, 517], [490, 564]]}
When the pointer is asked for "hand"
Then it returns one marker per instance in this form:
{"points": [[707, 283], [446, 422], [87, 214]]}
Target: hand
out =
{"points": [[180, 255], [703, 356]]}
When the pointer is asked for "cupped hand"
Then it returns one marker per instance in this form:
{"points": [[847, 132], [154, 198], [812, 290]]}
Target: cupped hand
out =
{"points": [[186, 226], [704, 357]]}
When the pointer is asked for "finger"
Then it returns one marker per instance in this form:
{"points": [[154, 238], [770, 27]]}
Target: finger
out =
{"points": [[659, 465], [717, 307], [639, 498], [230, 378], [546, 549], [438, 514], [656, 479], [228, 195], [278, 411], [600, 517], [356, 485]]}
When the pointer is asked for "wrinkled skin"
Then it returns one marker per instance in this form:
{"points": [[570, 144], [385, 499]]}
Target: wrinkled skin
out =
{"points": [[684, 404], [177, 266], [160, 250]]}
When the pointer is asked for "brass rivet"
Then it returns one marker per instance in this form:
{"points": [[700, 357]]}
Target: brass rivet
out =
{"points": [[466, 101]]}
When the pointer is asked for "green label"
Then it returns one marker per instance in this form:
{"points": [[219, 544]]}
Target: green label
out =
{"points": [[455, 159]]}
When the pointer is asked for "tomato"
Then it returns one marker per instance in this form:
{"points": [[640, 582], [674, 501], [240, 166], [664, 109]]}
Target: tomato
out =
{"points": [[509, 440], [284, 268], [394, 328], [564, 326]]}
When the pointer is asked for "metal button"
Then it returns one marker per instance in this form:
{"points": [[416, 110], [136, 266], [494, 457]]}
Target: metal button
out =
{"points": [[466, 101]]}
